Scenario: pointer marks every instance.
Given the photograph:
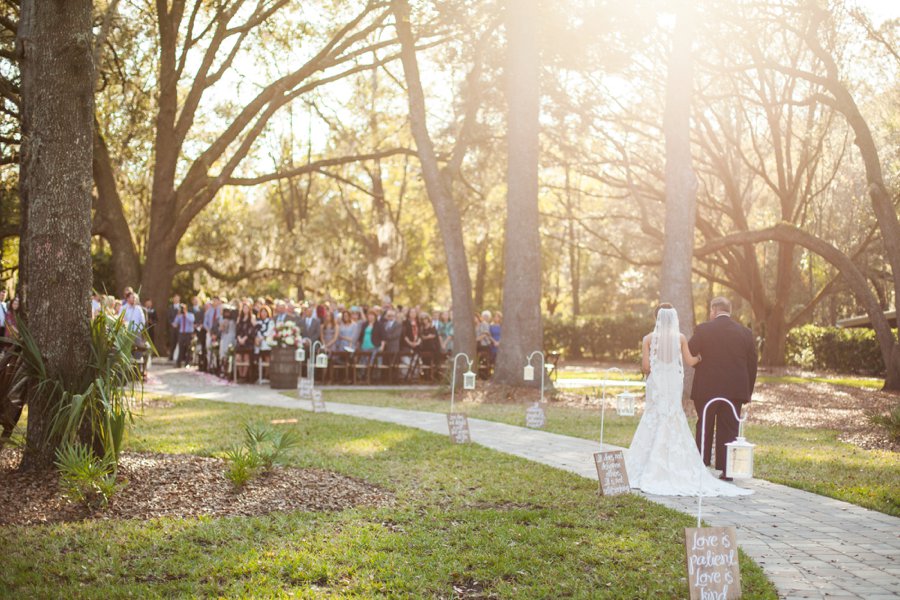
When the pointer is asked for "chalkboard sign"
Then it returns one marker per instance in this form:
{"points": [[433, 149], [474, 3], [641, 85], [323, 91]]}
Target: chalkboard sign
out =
{"points": [[318, 404], [535, 417], [611, 472], [459, 428], [306, 389], [712, 563]]}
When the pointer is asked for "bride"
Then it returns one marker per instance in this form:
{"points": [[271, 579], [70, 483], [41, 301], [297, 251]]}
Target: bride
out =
{"points": [[663, 458]]}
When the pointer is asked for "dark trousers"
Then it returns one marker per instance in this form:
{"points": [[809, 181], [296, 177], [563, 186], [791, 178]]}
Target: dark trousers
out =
{"points": [[173, 341], [719, 419], [184, 348]]}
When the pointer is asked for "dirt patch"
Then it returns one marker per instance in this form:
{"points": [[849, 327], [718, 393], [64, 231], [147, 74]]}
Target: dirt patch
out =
{"points": [[176, 485], [826, 406]]}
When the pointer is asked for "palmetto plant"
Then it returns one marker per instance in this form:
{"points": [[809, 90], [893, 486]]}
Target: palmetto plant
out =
{"points": [[97, 407]]}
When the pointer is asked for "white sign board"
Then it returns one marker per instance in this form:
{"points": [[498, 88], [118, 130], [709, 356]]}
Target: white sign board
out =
{"points": [[611, 472], [712, 563], [318, 404], [306, 389], [535, 417], [459, 428]]}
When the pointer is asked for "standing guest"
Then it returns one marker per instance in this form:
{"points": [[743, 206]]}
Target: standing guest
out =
{"points": [[366, 342], [346, 331], [211, 318], [265, 327], [411, 339], [358, 321], [483, 331], [393, 331], [330, 334], [245, 336], [198, 310], [172, 312], [184, 325], [292, 314], [117, 307], [281, 314], [431, 345], [3, 310], [134, 312], [12, 318], [227, 333], [310, 326], [445, 332], [152, 319], [495, 334]]}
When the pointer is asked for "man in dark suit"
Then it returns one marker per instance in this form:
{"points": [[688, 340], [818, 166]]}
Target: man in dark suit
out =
{"points": [[728, 370], [393, 330], [310, 326]]}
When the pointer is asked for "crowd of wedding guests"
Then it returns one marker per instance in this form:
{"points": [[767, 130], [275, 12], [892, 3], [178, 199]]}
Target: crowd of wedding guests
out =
{"points": [[214, 332], [220, 331]]}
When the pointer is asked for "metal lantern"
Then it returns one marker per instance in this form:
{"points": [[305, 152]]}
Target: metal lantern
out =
{"points": [[739, 458], [469, 380], [300, 354], [625, 404], [528, 374], [322, 361]]}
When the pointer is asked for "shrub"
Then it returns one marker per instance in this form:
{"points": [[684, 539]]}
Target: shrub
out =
{"points": [[605, 337], [889, 422], [85, 478], [835, 349], [242, 465], [97, 407], [263, 447]]}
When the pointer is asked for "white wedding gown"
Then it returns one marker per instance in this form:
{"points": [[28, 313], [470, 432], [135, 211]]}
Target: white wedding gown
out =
{"points": [[663, 458]]}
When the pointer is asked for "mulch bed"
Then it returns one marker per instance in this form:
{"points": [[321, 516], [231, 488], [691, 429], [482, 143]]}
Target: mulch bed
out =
{"points": [[826, 406], [177, 485]]}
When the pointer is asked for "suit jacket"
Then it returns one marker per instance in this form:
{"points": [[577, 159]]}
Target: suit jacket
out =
{"points": [[729, 360], [392, 332], [313, 330]]}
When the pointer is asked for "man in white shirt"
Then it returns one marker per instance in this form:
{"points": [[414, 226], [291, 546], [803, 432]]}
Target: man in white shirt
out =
{"points": [[134, 313]]}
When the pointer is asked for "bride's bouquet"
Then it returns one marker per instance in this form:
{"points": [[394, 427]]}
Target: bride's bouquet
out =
{"points": [[284, 335]]}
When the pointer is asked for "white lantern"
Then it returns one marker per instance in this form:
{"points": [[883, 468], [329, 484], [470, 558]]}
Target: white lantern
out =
{"points": [[300, 354], [625, 404], [322, 361], [528, 374], [739, 458], [469, 380]]}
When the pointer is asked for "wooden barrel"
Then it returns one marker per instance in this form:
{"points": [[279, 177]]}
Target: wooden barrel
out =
{"points": [[283, 369]]}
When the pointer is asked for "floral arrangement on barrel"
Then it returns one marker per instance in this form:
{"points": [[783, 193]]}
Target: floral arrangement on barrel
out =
{"points": [[285, 335]]}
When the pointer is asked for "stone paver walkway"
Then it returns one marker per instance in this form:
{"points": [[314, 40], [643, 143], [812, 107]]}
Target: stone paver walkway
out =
{"points": [[809, 545]]}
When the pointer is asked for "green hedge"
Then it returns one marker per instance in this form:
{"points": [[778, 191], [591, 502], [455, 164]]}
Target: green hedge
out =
{"points": [[610, 338], [835, 349]]}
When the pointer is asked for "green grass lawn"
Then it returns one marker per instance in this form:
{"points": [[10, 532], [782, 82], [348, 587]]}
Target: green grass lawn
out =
{"points": [[462, 515], [809, 459], [868, 383]]}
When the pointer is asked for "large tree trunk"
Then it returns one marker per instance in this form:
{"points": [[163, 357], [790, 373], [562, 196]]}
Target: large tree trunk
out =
{"points": [[681, 182], [445, 209], [55, 179], [522, 327], [775, 318]]}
